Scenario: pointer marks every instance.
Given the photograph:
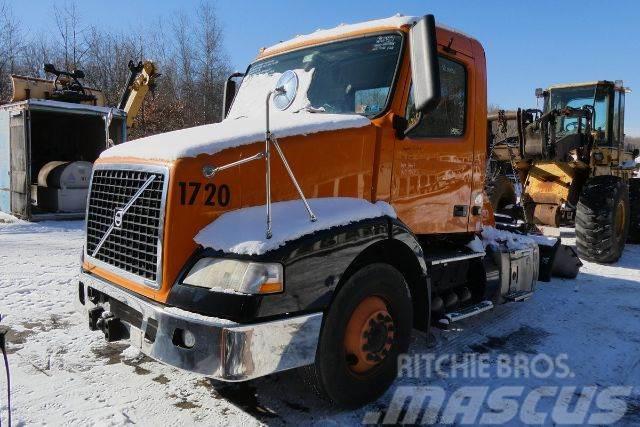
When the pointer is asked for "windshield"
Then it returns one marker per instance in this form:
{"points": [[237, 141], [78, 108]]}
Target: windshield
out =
{"points": [[347, 77], [578, 97]]}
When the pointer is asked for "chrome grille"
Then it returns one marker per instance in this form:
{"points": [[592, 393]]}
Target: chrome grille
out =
{"points": [[133, 248]]}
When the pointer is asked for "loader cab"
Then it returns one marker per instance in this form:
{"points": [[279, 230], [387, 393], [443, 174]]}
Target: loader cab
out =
{"points": [[605, 100]]}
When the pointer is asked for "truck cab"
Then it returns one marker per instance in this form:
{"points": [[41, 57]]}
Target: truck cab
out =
{"points": [[337, 206]]}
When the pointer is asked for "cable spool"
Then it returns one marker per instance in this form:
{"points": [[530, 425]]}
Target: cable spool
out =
{"points": [[65, 175]]}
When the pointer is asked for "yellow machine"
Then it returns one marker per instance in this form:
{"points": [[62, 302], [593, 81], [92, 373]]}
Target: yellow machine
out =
{"points": [[142, 79], [66, 87], [25, 88], [572, 166]]}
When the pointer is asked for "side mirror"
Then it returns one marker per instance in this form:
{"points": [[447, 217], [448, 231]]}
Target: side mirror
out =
{"points": [[230, 88], [539, 92], [425, 67]]}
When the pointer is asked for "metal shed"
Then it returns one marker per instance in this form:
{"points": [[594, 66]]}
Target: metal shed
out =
{"points": [[35, 132]]}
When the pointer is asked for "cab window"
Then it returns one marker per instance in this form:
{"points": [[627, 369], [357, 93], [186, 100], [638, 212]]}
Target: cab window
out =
{"points": [[448, 118]]}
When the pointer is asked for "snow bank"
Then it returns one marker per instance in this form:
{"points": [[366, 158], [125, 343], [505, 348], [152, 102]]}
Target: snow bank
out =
{"points": [[244, 125], [494, 237], [243, 231], [5, 218]]}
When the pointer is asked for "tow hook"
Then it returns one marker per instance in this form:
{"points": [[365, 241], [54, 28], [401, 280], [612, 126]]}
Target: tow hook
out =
{"points": [[112, 327], [95, 314]]}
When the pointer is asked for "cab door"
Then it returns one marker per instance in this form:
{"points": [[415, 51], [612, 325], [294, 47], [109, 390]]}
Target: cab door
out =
{"points": [[433, 164]]}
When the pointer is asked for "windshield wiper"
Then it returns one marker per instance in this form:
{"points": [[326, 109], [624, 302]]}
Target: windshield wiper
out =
{"points": [[312, 109]]}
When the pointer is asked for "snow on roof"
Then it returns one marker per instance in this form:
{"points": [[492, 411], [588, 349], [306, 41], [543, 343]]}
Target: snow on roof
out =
{"points": [[243, 231], [244, 125], [70, 106], [396, 21]]}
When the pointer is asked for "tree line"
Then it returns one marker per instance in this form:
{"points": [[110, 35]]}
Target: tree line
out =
{"points": [[188, 50]]}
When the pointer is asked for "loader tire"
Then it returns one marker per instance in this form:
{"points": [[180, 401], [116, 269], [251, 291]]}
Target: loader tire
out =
{"points": [[602, 219], [634, 208], [502, 194], [367, 327]]}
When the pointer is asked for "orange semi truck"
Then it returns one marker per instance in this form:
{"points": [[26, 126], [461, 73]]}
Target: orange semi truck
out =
{"points": [[337, 206]]}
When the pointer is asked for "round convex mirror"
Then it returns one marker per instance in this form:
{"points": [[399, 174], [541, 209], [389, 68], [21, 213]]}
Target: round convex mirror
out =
{"points": [[286, 90]]}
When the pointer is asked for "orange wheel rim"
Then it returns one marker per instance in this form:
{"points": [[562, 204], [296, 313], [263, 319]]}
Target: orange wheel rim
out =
{"points": [[369, 335]]}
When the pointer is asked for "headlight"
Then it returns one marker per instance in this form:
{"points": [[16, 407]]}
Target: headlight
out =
{"points": [[598, 156], [245, 277]]}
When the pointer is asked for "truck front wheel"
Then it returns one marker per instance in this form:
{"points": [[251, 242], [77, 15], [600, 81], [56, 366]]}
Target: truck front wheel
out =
{"points": [[602, 219], [367, 326]]}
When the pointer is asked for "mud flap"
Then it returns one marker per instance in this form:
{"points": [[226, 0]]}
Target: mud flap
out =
{"points": [[547, 260], [558, 261], [566, 263]]}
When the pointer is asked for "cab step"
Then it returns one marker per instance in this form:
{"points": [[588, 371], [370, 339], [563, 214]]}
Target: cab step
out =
{"points": [[456, 316], [519, 296]]}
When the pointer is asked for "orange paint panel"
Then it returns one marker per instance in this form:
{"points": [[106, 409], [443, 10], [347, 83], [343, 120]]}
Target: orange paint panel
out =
{"points": [[433, 175]]}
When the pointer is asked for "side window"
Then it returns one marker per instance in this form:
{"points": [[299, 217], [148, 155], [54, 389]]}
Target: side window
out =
{"points": [[448, 118]]}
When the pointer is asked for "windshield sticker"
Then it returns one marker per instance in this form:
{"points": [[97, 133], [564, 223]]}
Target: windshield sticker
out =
{"points": [[385, 43], [263, 67], [447, 68]]}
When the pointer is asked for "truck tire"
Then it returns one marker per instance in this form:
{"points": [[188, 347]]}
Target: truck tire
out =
{"points": [[634, 208], [602, 219], [502, 194], [367, 326]]}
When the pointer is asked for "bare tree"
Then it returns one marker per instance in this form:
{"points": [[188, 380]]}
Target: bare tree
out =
{"points": [[11, 40], [193, 63], [69, 28]]}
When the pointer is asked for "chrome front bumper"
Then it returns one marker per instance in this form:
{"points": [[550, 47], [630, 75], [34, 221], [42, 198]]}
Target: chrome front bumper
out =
{"points": [[223, 349]]}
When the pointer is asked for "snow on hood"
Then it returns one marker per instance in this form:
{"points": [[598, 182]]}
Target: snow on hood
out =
{"points": [[243, 231], [244, 125]]}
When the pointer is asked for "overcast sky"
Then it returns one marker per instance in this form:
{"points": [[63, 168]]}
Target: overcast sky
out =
{"points": [[528, 44]]}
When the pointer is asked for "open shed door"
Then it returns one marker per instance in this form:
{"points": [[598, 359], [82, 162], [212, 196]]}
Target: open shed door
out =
{"points": [[18, 128], [5, 163]]}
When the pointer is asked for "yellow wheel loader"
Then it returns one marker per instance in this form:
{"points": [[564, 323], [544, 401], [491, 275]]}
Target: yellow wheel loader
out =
{"points": [[570, 167]]}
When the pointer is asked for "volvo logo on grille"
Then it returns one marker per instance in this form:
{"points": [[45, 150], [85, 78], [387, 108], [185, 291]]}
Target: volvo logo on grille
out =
{"points": [[117, 218]]}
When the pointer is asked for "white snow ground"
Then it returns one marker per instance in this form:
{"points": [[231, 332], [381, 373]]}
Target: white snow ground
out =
{"points": [[62, 373]]}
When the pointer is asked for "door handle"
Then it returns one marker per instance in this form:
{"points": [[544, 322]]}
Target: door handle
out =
{"points": [[461, 210]]}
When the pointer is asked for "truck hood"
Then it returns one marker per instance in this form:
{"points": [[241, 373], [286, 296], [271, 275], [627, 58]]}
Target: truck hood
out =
{"points": [[213, 138], [245, 124]]}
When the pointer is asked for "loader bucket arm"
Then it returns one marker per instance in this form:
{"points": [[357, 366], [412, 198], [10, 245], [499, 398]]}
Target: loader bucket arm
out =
{"points": [[142, 79]]}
